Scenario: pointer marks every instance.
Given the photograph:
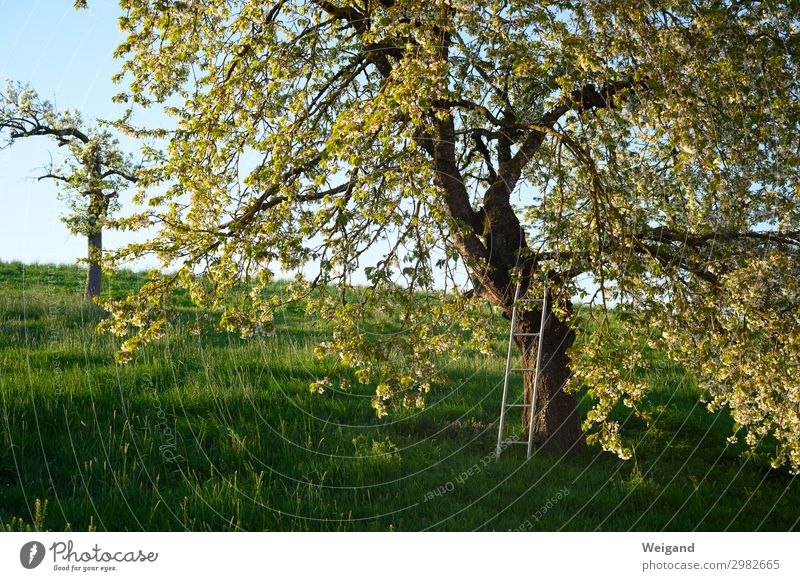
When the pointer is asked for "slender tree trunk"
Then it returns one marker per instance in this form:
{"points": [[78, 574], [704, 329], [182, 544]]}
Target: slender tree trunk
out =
{"points": [[94, 273], [557, 425]]}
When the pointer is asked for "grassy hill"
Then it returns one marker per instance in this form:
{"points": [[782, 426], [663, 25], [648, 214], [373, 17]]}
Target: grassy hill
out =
{"points": [[218, 433]]}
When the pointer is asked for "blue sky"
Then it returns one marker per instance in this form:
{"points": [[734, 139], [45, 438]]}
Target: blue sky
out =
{"points": [[67, 56]]}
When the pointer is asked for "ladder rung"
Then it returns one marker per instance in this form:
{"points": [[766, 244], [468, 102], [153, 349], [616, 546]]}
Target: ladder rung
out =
{"points": [[526, 334], [522, 369], [518, 405], [531, 300], [513, 442]]}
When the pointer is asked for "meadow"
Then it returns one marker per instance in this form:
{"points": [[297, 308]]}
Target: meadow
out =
{"points": [[214, 432]]}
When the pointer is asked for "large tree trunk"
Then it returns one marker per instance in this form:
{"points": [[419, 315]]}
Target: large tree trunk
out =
{"points": [[95, 272], [557, 425], [492, 242]]}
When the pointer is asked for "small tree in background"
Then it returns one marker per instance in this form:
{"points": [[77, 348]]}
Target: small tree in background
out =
{"points": [[90, 177]]}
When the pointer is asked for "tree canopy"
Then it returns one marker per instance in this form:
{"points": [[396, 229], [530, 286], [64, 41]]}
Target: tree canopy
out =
{"points": [[651, 148]]}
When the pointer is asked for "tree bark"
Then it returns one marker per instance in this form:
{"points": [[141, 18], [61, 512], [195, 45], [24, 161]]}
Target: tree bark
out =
{"points": [[557, 425], [94, 273]]}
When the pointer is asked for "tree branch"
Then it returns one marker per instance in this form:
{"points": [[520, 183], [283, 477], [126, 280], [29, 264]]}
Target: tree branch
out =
{"points": [[117, 172], [43, 130], [663, 234], [581, 100], [480, 146], [53, 177], [376, 52]]}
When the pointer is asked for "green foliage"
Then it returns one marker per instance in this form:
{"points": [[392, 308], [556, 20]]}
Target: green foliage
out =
{"points": [[648, 147], [376, 450]]}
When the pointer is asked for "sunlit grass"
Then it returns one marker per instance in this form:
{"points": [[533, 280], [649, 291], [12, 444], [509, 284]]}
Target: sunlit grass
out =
{"points": [[218, 433]]}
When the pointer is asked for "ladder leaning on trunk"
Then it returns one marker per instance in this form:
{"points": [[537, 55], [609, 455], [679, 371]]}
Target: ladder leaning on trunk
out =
{"points": [[519, 305]]}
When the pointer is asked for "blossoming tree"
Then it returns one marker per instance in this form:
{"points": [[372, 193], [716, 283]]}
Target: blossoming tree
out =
{"points": [[91, 176], [648, 148]]}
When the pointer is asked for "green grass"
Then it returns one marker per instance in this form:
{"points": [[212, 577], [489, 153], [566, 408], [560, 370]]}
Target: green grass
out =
{"points": [[218, 433]]}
